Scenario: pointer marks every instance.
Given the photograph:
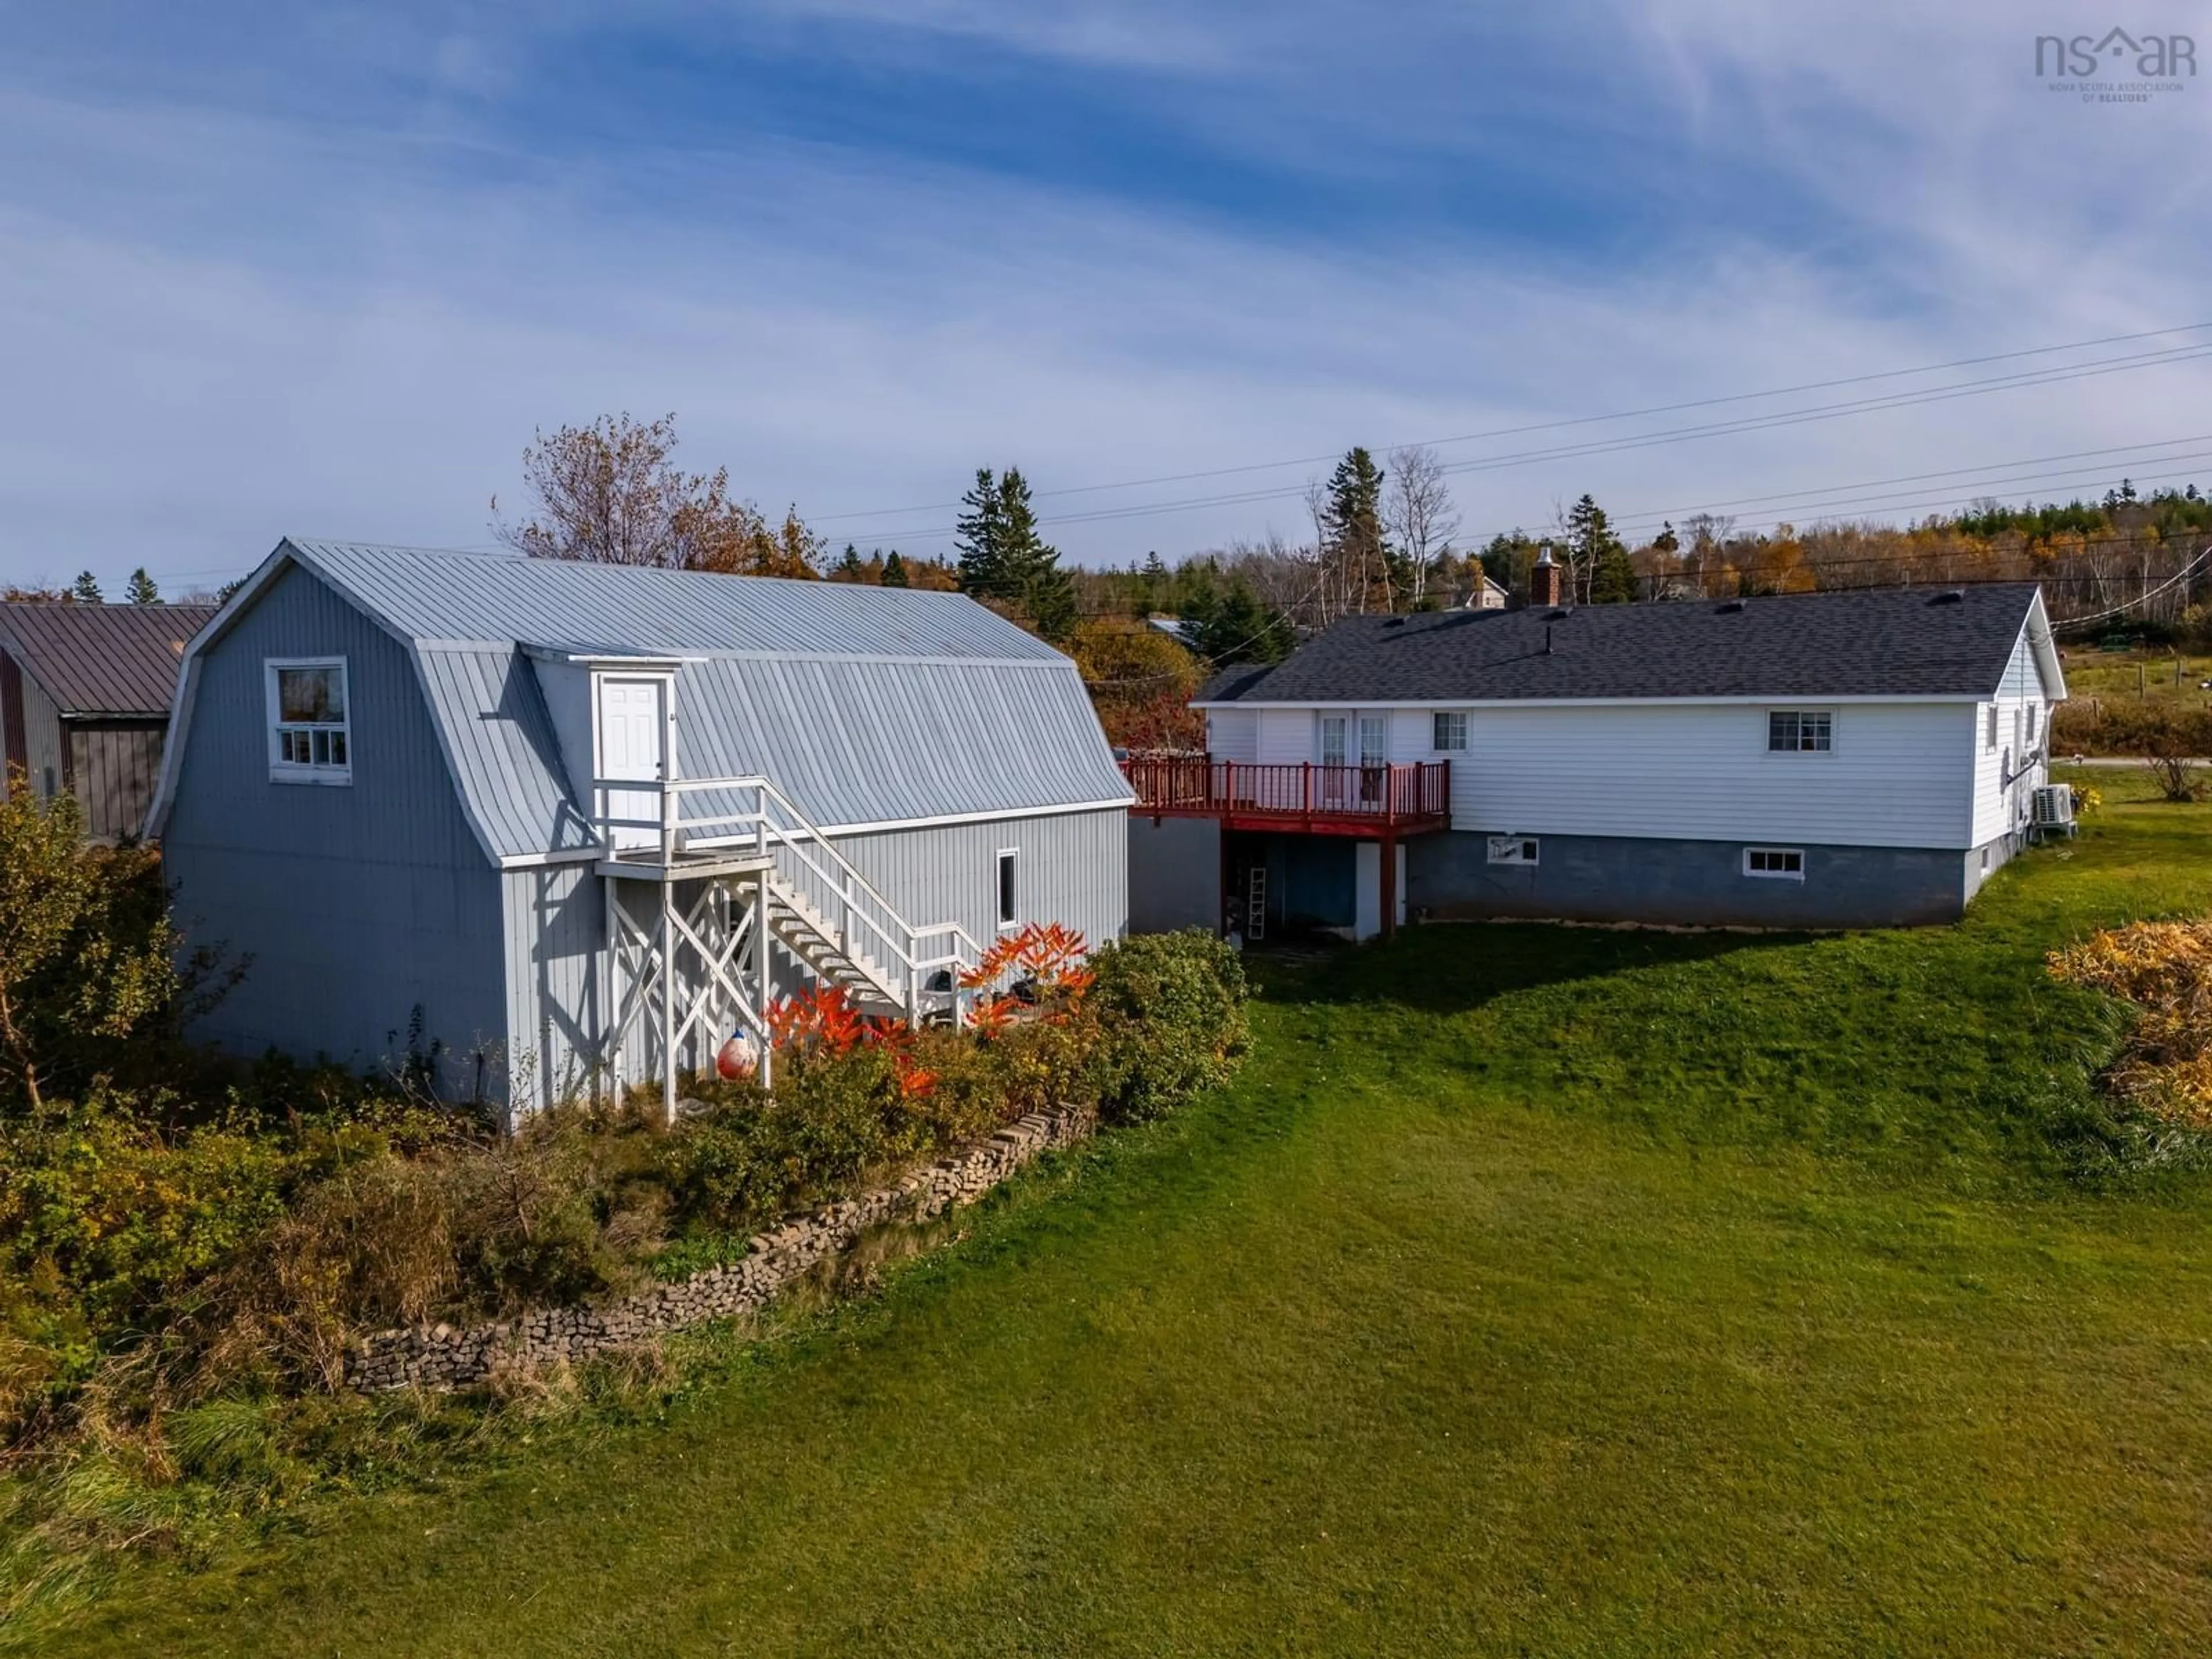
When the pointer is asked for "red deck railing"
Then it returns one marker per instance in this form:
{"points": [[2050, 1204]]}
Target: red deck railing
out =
{"points": [[1343, 800]]}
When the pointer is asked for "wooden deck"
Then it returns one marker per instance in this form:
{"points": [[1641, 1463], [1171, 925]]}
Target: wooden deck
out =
{"points": [[1370, 801]]}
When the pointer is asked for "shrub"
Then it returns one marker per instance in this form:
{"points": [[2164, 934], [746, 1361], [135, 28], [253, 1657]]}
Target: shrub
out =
{"points": [[2167, 737], [1171, 1012], [87, 956]]}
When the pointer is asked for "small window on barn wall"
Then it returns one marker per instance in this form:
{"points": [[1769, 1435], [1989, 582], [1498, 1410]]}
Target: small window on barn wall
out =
{"points": [[1450, 732], [310, 739], [1800, 731], [1007, 913]]}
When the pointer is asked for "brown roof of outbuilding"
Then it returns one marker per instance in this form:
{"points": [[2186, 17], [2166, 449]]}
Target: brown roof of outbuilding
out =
{"points": [[119, 659]]}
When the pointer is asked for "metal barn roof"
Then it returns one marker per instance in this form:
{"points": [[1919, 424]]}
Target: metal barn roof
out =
{"points": [[1889, 642], [119, 660], [865, 705], [504, 598]]}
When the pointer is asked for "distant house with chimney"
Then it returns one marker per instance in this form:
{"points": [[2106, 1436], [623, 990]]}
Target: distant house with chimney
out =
{"points": [[1818, 760], [84, 703]]}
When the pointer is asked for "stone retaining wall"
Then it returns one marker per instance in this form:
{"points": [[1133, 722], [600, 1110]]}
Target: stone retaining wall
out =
{"points": [[441, 1357]]}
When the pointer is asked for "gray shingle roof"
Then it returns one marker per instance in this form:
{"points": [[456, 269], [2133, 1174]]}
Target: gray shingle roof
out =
{"points": [[1886, 643], [116, 659]]}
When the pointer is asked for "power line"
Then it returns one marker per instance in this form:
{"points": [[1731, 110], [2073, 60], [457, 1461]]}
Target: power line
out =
{"points": [[1643, 440], [1548, 426]]}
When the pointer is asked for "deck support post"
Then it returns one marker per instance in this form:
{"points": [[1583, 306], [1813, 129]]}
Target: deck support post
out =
{"points": [[762, 990], [611, 1008], [668, 1000], [1390, 885]]}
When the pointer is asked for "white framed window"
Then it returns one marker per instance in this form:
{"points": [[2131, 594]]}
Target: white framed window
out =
{"points": [[2034, 722], [1333, 728], [1008, 908], [310, 737], [1514, 849], [1990, 729], [1775, 863], [1450, 732], [1800, 731]]}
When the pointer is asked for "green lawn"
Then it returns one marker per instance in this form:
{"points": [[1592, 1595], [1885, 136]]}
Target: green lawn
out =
{"points": [[1534, 1291]]}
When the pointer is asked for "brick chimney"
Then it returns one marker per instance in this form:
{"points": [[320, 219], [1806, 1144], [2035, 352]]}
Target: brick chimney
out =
{"points": [[1544, 581]]}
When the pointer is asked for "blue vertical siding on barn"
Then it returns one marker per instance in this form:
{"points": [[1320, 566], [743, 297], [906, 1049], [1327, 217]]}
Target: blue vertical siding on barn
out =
{"points": [[354, 905], [556, 925], [1072, 868]]}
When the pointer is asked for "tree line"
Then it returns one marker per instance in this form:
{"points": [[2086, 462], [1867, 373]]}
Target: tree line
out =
{"points": [[1382, 536]]}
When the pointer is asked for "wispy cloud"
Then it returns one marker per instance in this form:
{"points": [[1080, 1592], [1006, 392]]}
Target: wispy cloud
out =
{"points": [[334, 286]]}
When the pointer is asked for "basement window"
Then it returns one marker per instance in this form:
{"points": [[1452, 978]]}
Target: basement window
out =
{"points": [[1800, 731], [1513, 849], [1008, 855], [1450, 733], [1775, 863], [310, 740]]}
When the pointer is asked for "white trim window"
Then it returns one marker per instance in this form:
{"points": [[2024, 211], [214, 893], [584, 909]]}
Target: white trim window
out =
{"points": [[1800, 731], [310, 734], [1008, 911], [1332, 731], [1449, 732], [1775, 863], [1515, 849], [1989, 728]]}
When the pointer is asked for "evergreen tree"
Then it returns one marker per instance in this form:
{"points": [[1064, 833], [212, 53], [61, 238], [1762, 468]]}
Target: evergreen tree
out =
{"points": [[893, 570], [1362, 560], [85, 590], [849, 567], [1235, 627], [142, 590], [1596, 556], [980, 535], [1003, 557]]}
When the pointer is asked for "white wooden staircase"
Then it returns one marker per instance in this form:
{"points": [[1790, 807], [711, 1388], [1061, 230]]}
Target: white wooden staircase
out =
{"points": [[697, 910]]}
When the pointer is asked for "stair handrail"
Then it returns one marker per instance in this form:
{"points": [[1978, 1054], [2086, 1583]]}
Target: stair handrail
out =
{"points": [[844, 879]]}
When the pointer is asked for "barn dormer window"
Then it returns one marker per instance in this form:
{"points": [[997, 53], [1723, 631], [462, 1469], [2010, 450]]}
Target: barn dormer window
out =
{"points": [[310, 740], [1800, 731]]}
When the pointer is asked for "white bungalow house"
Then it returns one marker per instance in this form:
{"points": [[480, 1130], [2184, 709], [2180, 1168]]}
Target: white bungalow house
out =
{"points": [[1828, 760], [548, 824]]}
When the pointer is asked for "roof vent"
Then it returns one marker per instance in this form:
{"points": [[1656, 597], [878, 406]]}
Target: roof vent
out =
{"points": [[1556, 615], [1950, 596], [1727, 607], [1395, 621]]}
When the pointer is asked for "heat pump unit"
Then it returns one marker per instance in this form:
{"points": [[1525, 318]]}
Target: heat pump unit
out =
{"points": [[2054, 809]]}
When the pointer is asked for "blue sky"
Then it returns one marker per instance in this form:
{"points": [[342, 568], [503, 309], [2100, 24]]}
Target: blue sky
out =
{"points": [[321, 269]]}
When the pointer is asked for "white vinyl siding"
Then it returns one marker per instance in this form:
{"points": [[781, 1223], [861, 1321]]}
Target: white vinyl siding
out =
{"points": [[1233, 734], [1899, 775], [2020, 708], [1286, 737]]}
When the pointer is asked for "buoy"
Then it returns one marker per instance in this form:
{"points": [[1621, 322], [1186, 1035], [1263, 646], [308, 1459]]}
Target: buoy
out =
{"points": [[736, 1059]]}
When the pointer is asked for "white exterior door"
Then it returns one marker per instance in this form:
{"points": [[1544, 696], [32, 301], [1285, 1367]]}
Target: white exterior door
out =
{"points": [[633, 722]]}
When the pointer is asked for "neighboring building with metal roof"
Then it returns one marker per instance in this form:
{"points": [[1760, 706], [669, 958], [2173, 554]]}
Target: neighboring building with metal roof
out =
{"points": [[1838, 759], [85, 692], [560, 823]]}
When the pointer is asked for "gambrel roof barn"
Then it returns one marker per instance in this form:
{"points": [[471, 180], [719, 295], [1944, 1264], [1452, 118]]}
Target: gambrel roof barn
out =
{"points": [[555, 820]]}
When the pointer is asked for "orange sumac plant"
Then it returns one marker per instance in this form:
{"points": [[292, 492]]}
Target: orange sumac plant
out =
{"points": [[824, 1021], [1046, 964]]}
